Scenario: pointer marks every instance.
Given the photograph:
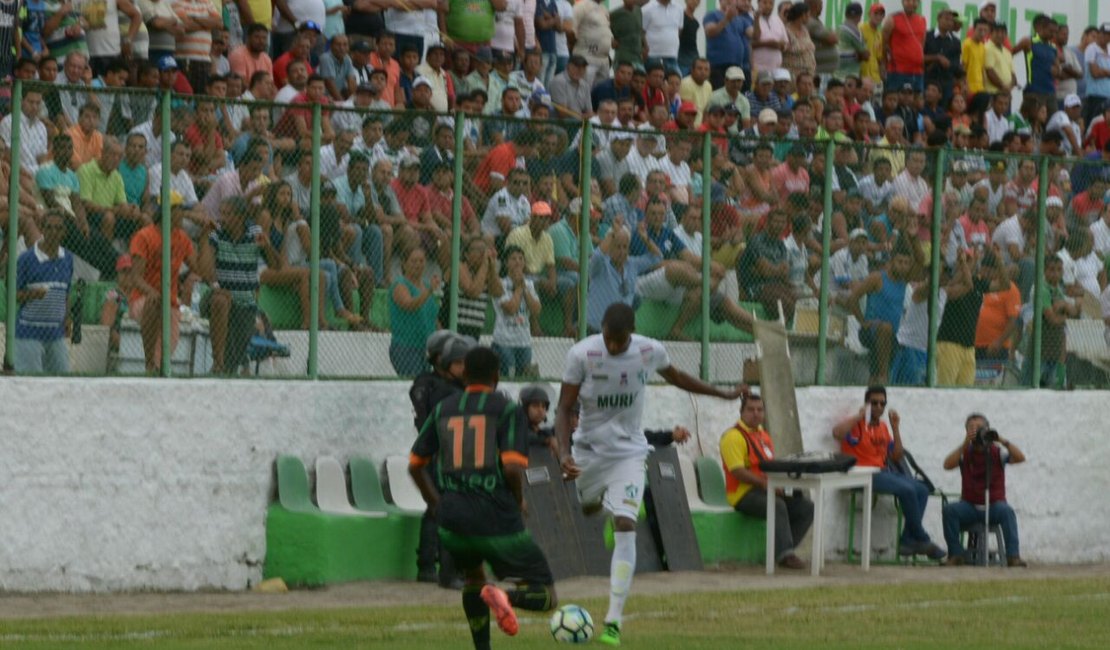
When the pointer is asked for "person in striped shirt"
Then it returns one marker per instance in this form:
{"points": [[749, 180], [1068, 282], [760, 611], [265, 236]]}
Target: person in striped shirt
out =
{"points": [[231, 254], [43, 276]]}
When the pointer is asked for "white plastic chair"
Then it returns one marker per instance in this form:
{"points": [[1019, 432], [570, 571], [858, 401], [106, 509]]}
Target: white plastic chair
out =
{"points": [[690, 484], [331, 490], [402, 489]]}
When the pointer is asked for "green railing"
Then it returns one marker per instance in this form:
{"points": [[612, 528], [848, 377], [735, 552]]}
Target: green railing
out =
{"points": [[727, 190]]}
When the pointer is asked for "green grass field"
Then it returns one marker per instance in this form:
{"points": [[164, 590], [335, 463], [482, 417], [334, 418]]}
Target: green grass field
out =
{"points": [[1052, 613]]}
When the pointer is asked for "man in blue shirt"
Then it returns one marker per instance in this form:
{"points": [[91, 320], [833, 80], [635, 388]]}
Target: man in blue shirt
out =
{"points": [[677, 280], [613, 273], [43, 275], [1042, 61], [728, 32]]}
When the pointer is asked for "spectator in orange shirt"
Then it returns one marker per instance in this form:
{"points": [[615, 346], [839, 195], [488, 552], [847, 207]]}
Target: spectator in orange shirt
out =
{"points": [[382, 59], [997, 329], [251, 56], [495, 167], [867, 437], [87, 140]]}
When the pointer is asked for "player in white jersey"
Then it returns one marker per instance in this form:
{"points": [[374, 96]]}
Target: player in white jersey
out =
{"points": [[609, 374]]}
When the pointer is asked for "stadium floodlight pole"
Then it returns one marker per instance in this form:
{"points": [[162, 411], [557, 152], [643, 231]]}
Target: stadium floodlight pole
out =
{"points": [[934, 268], [314, 254], [826, 246], [456, 223], [167, 234], [706, 216], [584, 224], [1039, 287], [13, 224]]}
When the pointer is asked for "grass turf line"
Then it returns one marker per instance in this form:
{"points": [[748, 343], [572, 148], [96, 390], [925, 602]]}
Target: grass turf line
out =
{"points": [[1057, 613]]}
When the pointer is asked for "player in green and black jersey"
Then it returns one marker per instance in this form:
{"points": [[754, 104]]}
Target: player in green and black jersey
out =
{"points": [[475, 445]]}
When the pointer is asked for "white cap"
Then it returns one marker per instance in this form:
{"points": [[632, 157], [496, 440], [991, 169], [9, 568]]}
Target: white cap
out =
{"points": [[858, 232], [1054, 202], [1072, 101], [734, 73], [781, 74], [617, 136], [421, 81], [768, 116], [987, 3]]}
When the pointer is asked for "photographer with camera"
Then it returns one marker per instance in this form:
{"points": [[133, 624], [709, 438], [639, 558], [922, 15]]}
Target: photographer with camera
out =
{"points": [[982, 458]]}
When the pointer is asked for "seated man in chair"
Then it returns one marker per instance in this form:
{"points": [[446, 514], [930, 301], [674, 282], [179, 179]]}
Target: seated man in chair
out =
{"points": [[972, 459], [743, 448]]}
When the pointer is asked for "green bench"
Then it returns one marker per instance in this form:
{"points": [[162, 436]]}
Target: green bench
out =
{"points": [[307, 547], [725, 535]]}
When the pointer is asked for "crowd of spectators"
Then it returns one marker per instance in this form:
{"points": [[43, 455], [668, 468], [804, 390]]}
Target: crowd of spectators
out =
{"points": [[769, 86]]}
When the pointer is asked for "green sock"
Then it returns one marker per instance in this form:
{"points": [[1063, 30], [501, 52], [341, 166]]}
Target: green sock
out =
{"points": [[477, 615], [534, 598]]}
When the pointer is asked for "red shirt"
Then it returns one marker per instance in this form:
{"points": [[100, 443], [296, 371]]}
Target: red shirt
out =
{"points": [[500, 160], [198, 140], [869, 444], [1100, 134], [286, 126], [442, 204], [282, 64], [413, 200], [907, 44], [1086, 206], [786, 182]]}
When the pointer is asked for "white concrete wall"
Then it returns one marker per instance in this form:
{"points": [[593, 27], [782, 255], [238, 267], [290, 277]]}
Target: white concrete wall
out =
{"points": [[139, 484]]}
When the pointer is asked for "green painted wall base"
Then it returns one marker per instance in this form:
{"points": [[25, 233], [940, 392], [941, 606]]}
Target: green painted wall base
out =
{"points": [[314, 549], [730, 537]]}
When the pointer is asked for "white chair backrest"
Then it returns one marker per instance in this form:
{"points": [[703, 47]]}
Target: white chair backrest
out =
{"points": [[331, 489], [402, 489], [690, 484]]}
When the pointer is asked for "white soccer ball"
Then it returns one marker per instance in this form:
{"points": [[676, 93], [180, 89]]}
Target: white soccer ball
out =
{"points": [[572, 624]]}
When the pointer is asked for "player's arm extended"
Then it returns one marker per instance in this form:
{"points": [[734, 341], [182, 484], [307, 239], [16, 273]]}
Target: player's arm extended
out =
{"points": [[691, 384], [568, 398]]}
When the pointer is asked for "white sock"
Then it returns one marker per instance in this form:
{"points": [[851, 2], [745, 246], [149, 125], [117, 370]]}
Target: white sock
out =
{"points": [[620, 573]]}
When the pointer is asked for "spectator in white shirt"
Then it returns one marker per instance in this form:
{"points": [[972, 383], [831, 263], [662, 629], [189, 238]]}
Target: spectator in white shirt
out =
{"points": [[662, 22], [676, 168], [876, 188], [910, 183], [1066, 121], [33, 147], [997, 123], [1100, 231]]}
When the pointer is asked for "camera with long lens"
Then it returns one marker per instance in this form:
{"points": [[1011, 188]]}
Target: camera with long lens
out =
{"points": [[986, 436]]}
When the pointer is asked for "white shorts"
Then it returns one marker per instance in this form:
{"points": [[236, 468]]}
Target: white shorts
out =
{"points": [[654, 286], [617, 482]]}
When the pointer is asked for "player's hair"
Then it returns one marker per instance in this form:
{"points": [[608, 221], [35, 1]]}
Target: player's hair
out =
{"points": [[481, 365], [874, 390], [750, 397], [619, 319]]}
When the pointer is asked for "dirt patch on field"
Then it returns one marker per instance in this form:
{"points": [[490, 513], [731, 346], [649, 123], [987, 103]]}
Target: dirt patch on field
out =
{"points": [[388, 594]]}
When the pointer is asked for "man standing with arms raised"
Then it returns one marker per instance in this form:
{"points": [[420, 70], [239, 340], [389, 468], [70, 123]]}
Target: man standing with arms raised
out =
{"points": [[610, 372]]}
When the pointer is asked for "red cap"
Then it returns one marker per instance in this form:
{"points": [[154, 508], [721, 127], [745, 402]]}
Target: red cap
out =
{"points": [[877, 7], [123, 262], [687, 107], [541, 209]]}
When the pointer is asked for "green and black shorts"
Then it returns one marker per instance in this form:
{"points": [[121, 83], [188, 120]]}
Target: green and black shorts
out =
{"points": [[514, 557]]}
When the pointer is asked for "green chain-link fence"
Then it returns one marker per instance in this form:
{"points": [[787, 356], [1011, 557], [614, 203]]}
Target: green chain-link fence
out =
{"points": [[328, 241]]}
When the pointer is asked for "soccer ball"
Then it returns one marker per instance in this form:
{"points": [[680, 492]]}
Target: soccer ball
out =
{"points": [[572, 624]]}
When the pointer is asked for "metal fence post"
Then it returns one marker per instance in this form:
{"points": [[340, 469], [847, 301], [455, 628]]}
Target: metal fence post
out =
{"points": [[456, 223], [1039, 287], [826, 246], [706, 249], [167, 234], [584, 225], [13, 224], [314, 254], [934, 268]]}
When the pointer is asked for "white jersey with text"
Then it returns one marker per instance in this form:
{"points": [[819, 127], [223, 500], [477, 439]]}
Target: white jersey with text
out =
{"points": [[612, 393]]}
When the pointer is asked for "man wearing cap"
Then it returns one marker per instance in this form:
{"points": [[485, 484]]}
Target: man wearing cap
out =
{"points": [[1066, 121], [251, 56], [570, 93], [742, 147], [732, 93], [612, 163], [762, 95], [293, 17], [872, 34], [696, 88], [904, 47], [728, 34], [942, 53], [1096, 74], [443, 88], [538, 247]]}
